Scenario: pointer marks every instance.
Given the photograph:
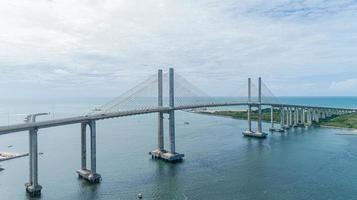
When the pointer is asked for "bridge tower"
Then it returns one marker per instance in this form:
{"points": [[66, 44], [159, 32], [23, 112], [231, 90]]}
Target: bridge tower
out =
{"points": [[259, 133], [160, 152]]}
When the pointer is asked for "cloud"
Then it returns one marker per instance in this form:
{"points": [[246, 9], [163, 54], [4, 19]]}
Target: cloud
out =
{"points": [[347, 86], [101, 45]]}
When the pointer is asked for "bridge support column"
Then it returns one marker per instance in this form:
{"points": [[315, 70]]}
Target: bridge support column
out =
{"points": [[290, 117], [323, 114], [272, 118], [295, 117], [249, 116], [282, 119], [309, 117], [286, 116], [274, 129], [317, 116], [91, 174], [172, 155], [32, 187]]}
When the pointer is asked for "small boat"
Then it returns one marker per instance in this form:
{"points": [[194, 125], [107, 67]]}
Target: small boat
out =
{"points": [[187, 123], [140, 196]]}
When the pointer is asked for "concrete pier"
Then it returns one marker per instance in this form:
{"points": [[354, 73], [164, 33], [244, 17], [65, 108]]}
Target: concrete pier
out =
{"points": [[295, 124], [309, 117], [317, 116], [272, 128], [286, 119], [91, 174], [32, 187], [290, 117]]}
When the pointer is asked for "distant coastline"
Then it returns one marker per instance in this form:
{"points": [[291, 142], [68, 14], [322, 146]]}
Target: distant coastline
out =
{"points": [[345, 121]]}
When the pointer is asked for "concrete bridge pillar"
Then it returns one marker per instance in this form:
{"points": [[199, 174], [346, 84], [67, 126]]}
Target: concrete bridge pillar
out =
{"points": [[272, 117], [303, 116], [272, 128], [91, 174], [323, 114], [287, 117], [286, 110], [295, 117], [290, 117], [282, 117], [309, 117], [32, 187], [317, 116]]}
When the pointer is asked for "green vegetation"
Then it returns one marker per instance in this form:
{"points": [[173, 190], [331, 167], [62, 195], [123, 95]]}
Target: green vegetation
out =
{"points": [[340, 121], [243, 114]]}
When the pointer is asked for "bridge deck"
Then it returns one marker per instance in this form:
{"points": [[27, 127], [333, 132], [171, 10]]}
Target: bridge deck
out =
{"points": [[86, 118]]}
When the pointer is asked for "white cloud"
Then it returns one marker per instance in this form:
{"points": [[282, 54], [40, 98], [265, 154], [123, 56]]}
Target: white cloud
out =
{"points": [[117, 43], [345, 86]]}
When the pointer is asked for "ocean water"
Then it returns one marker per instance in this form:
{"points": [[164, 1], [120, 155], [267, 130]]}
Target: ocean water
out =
{"points": [[219, 163]]}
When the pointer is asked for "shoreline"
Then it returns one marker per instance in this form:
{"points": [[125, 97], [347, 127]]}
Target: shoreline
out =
{"points": [[338, 127]]}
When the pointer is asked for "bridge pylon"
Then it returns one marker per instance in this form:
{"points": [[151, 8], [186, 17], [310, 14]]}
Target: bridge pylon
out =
{"points": [[259, 133], [160, 152]]}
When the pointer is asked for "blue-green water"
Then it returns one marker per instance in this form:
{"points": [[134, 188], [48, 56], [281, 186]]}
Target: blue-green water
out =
{"points": [[312, 163]]}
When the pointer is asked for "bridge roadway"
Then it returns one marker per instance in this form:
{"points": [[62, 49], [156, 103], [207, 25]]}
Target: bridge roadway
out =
{"points": [[101, 116]]}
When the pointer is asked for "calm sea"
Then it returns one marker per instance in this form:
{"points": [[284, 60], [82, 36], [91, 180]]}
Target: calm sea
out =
{"points": [[311, 163]]}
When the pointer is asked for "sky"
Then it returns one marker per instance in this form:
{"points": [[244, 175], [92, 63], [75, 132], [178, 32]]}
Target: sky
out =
{"points": [[90, 48]]}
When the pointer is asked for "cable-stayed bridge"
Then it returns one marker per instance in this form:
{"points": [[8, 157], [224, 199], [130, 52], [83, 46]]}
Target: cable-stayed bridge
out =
{"points": [[165, 93]]}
